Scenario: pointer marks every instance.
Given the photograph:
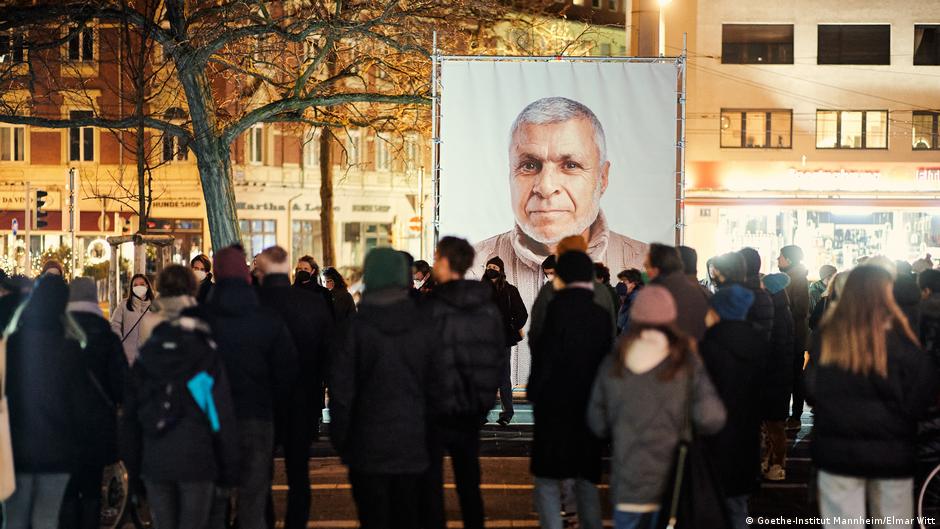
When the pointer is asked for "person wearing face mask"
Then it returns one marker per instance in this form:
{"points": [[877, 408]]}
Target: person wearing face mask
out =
{"points": [[202, 269], [423, 281], [514, 316], [127, 317], [307, 276], [343, 304]]}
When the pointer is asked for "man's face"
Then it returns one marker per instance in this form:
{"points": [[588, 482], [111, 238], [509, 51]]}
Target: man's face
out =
{"points": [[556, 179], [782, 262], [651, 270]]}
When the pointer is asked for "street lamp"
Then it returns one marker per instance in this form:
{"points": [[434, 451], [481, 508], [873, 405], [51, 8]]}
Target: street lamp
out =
{"points": [[662, 28]]}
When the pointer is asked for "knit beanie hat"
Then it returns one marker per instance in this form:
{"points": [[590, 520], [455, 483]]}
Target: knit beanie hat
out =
{"points": [[654, 305], [575, 267], [495, 260], [776, 282], [793, 253], [732, 302], [231, 263], [83, 289], [385, 268], [751, 261]]}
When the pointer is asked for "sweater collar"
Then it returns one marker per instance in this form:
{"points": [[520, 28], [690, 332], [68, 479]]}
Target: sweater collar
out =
{"points": [[533, 254]]}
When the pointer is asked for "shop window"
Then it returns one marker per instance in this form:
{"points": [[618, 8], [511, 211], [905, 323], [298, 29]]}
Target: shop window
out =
{"points": [[306, 239], [757, 43], [383, 153], [254, 145], [81, 139], [853, 44], [81, 45], [927, 45], [12, 143], [851, 129], [926, 130], [258, 235], [12, 47], [756, 129]]}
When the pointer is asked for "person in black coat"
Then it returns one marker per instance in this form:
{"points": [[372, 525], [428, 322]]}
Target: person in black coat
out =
{"points": [[343, 304], [50, 398], [261, 361], [735, 356], [310, 323], [869, 383], [790, 262], [779, 383], [106, 365], [382, 385], [515, 315], [307, 276], [761, 314], [928, 444], [202, 269], [907, 294], [178, 424], [472, 355], [565, 360]]}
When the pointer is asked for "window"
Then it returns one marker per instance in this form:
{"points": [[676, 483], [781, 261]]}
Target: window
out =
{"points": [[383, 155], [255, 144], [354, 147], [613, 5], [596, 4], [757, 43], [851, 129], [258, 235], [175, 148], [925, 130], [853, 44], [81, 139], [82, 45], [756, 129], [12, 47], [12, 143], [412, 152], [312, 149], [926, 45], [306, 239]]}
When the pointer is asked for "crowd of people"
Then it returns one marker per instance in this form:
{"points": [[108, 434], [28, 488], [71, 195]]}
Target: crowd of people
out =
{"points": [[689, 385]]}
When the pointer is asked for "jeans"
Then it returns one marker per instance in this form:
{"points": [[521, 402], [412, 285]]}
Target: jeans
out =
{"points": [[846, 497], [737, 511], [462, 442], [36, 502], [256, 447], [386, 501], [776, 443], [81, 506], [548, 503], [635, 520], [505, 390], [179, 504]]}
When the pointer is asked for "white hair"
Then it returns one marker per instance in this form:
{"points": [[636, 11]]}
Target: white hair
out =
{"points": [[549, 110]]}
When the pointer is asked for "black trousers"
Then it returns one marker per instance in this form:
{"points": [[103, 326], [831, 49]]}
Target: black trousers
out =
{"points": [[505, 389], [386, 501], [81, 506], [462, 442], [295, 436], [799, 395]]}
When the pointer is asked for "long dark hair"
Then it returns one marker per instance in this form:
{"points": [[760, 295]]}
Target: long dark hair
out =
{"points": [[681, 347], [333, 275], [130, 291]]}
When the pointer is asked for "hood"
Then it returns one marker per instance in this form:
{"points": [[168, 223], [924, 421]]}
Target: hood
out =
{"points": [[391, 310], [906, 292], [232, 297], [930, 307], [776, 282], [168, 361], [463, 293], [170, 307]]}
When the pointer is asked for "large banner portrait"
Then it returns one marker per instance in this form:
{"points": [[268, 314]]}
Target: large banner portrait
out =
{"points": [[535, 151]]}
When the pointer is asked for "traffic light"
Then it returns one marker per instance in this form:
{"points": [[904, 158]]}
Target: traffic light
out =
{"points": [[41, 214]]}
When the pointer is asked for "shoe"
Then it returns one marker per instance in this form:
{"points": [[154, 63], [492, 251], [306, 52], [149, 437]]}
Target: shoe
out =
{"points": [[503, 421], [776, 473], [794, 423]]}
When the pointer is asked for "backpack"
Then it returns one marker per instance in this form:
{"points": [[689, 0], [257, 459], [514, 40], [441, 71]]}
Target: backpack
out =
{"points": [[167, 399]]}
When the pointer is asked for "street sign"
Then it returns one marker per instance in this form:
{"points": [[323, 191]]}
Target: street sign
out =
{"points": [[16, 226], [414, 224]]}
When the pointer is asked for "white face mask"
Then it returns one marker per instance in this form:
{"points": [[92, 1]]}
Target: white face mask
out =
{"points": [[200, 275], [140, 291], [418, 284]]}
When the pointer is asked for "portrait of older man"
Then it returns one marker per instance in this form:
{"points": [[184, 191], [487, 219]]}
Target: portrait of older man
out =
{"points": [[558, 172]]}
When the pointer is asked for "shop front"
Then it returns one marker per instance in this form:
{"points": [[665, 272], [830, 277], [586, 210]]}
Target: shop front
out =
{"points": [[837, 213]]}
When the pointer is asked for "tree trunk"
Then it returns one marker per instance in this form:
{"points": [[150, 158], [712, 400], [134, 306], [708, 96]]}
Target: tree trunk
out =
{"points": [[326, 198]]}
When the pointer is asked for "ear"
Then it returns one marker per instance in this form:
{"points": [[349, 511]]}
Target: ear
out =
{"points": [[605, 172]]}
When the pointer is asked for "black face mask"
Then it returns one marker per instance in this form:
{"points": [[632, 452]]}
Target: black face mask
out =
{"points": [[301, 277], [491, 274]]}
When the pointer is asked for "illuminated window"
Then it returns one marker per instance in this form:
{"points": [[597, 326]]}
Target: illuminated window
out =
{"points": [[12, 143], [254, 144], [81, 45], [756, 129], [851, 129], [927, 45], [926, 131], [853, 44], [757, 43], [258, 235], [12, 47], [81, 139], [312, 150], [353, 147], [383, 153]]}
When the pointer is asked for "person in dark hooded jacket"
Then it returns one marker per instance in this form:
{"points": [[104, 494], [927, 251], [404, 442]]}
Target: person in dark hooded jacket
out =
{"points": [[735, 356], [928, 434], [790, 262], [382, 386], [515, 315], [49, 396], [261, 361], [472, 355], [779, 382]]}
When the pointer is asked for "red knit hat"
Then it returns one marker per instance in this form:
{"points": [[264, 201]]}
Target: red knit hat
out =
{"points": [[231, 263], [654, 305]]}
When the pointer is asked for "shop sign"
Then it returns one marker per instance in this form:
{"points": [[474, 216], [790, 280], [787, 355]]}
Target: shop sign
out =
{"points": [[928, 174], [371, 208], [271, 206], [171, 203], [836, 179], [16, 200]]}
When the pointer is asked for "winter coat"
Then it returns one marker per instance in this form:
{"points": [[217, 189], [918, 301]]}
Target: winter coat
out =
{"points": [[513, 310], [163, 309], [343, 304], [644, 416], [817, 291], [565, 359], [179, 444], [736, 358], [472, 350], [310, 322], [819, 312], [204, 289], [545, 296], [866, 426], [761, 313], [690, 301], [907, 295], [321, 291], [798, 292], [382, 385], [105, 363], [928, 445], [256, 348], [779, 380], [126, 324]]}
